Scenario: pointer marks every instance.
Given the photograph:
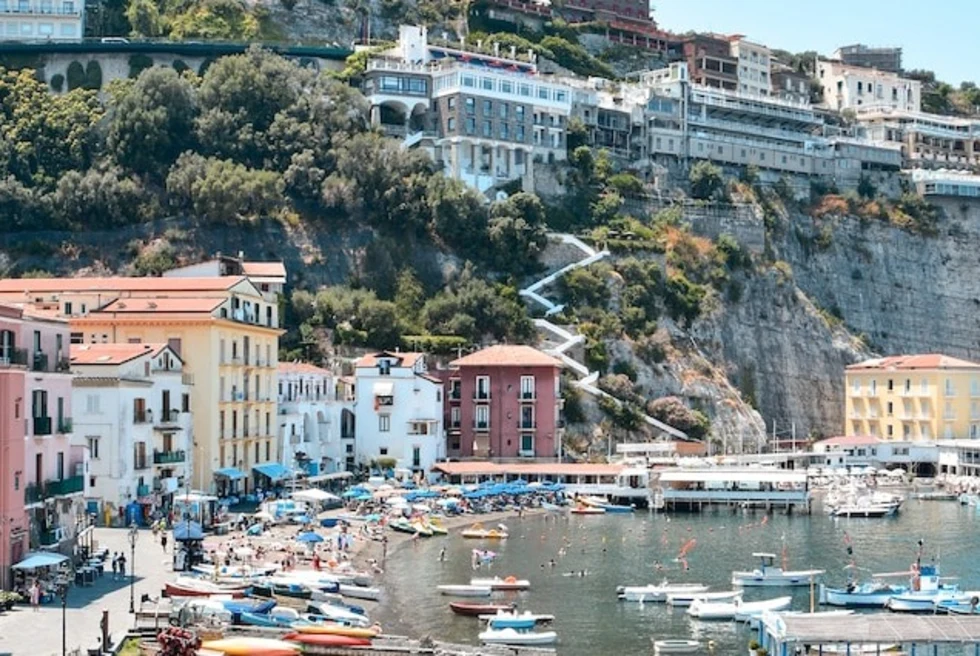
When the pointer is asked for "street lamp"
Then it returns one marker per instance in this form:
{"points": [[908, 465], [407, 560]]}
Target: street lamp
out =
{"points": [[133, 536], [63, 593]]}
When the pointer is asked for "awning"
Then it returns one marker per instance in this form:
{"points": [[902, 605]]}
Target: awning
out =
{"points": [[273, 470], [40, 559], [230, 473], [319, 478], [384, 389]]}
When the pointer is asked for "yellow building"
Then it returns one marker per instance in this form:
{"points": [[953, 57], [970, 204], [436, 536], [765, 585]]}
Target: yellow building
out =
{"points": [[913, 398], [227, 332]]}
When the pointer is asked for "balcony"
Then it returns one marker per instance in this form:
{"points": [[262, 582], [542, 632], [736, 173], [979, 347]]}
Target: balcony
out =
{"points": [[527, 396], [527, 425], [35, 493], [481, 426], [62, 365], [168, 418], [169, 457], [481, 396], [65, 426], [455, 394], [13, 357], [42, 425], [140, 462], [40, 361]]}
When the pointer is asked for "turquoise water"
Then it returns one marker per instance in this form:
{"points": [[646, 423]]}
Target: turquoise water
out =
{"points": [[622, 550]]}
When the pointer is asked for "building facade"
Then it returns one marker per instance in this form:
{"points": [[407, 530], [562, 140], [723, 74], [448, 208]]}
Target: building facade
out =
{"points": [[710, 62], [884, 59], [504, 402], [398, 412], [856, 87], [926, 140], [230, 328], [133, 416], [42, 20], [790, 84], [316, 419], [14, 527], [754, 66], [913, 398]]}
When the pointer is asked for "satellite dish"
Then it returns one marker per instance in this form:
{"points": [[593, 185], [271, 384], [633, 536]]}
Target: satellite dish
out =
{"points": [[501, 195]]}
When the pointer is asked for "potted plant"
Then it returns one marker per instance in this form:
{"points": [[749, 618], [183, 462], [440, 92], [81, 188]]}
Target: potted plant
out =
{"points": [[761, 651], [753, 647], [8, 599]]}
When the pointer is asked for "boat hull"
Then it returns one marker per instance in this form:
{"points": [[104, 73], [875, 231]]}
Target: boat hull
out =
{"points": [[327, 640], [511, 623], [512, 637], [686, 599], [784, 579], [856, 599], [658, 593], [177, 590], [476, 610], [676, 646], [464, 591]]}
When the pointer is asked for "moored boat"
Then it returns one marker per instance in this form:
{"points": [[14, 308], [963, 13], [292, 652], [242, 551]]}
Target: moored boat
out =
{"points": [[873, 594], [515, 637], [538, 618], [324, 628], [327, 640], [465, 590], [682, 599], [507, 583], [474, 610], [479, 532], [657, 592], [513, 622], [769, 574], [616, 508], [360, 592], [245, 646], [712, 610], [587, 510], [748, 610], [676, 647], [186, 586]]}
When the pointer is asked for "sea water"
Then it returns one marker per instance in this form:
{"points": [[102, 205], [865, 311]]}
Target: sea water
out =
{"points": [[626, 549]]}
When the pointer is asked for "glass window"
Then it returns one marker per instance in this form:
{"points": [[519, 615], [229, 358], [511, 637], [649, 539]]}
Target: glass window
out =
{"points": [[487, 129], [487, 108], [451, 103], [451, 124], [486, 83], [504, 131], [469, 81], [519, 113], [504, 110], [543, 93], [560, 96], [470, 106], [507, 87], [525, 90], [470, 125], [520, 133]]}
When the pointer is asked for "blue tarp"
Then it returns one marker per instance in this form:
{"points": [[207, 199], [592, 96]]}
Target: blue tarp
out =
{"points": [[184, 531], [273, 470], [40, 559], [231, 473]]}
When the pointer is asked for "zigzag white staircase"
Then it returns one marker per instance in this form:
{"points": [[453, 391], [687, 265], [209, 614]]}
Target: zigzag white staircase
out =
{"points": [[588, 380]]}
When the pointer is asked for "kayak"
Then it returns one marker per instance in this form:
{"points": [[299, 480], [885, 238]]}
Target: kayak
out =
{"points": [[462, 608], [327, 640], [336, 629], [252, 647]]}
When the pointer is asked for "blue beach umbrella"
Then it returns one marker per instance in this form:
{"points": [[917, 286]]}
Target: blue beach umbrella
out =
{"points": [[309, 537]]}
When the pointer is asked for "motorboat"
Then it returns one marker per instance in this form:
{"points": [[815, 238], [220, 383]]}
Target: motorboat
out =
{"points": [[465, 590], [866, 510], [185, 586], [281, 591], [748, 610], [201, 609], [360, 592], [712, 610], [597, 502], [511, 622], [968, 604], [497, 583], [616, 508], [676, 647], [223, 572], [519, 638], [657, 592], [479, 532], [925, 593], [511, 614], [275, 618], [683, 599], [587, 510], [769, 574], [260, 606], [872, 594], [325, 611], [474, 610]]}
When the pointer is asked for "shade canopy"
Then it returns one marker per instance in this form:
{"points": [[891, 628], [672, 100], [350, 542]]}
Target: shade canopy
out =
{"points": [[273, 470], [231, 473], [310, 537], [188, 531], [38, 559], [314, 494]]}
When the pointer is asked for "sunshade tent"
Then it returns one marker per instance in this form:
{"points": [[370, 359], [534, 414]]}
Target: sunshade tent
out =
{"points": [[315, 495], [39, 559], [273, 470], [309, 537]]}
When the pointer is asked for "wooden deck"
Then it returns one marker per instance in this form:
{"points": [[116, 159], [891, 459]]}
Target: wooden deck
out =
{"points": [[875, 628]]}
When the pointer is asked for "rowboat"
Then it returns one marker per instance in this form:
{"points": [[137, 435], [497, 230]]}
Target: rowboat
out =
{"points": [[615, 508], [360, 592], [747, 610], [317, 612], [235, 571], [657, 592], [515, 637], [512, 622], [682, 599], [186, 586], [478, 532], [587, 510], [874, 594], [248, 605], [768, 574], [497, 583], [336, 629], [252, 647], [284, 592], [676, 646], [526, 615], [463, 608], [712, 610], [327, 640], [465, 590]]}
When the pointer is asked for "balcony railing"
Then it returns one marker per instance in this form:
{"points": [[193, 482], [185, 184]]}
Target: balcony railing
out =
{"points": [[39, 361], [527, 395], [527, 425], [42, 425], [140, 462], [35, 492], [62, 365], [481, 395], [13, 357], [169, 457], [171, 417], [65, 425], [481, 425]]}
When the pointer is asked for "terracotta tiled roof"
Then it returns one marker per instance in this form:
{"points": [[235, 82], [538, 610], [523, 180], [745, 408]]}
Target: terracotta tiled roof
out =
{"points": [[850, 440], [111, 353], [505, 355], [911, 362], [118, 284], [264, 269], [406, 359], [302, 368], [499, 469], [154, 305]]}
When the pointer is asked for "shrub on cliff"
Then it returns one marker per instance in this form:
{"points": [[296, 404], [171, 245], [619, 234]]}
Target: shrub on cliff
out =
{"points": [[672, 411], [707, 181]]}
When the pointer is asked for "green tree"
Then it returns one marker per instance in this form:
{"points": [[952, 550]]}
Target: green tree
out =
{"points": [[409, 299], [706, 179], [152, 121], [223, 190], [516, 233], [672, 411], [144, 18], [97, 199]]}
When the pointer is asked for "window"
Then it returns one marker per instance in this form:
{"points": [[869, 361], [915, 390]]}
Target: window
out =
{"points": [[890, 430], [384, 423], [470, 105], [520, 133], [487, 129], [519, 113], [527, 444], [454, 416], [416, 457], [527, 417], [93, 447], [950, 388], [384, 367], [525, 90], [482, 388], [469, 81], [451, 124], [451, 103], [874, 387], [185, 403], [891, 385], [974, 387], [855, 386], [924, 386], [527, 388], [504, 110], [487, 108], [486, 83], [268, 451], [908, 385], [890, 409], [543, 93], [470, 125], [383, 450], [482, 421], [504, 131]]}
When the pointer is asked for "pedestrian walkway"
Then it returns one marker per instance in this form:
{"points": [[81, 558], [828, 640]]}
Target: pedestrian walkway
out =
{"points": [[26, 633]]}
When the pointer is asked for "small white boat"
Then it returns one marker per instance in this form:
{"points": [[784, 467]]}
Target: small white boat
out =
{"points": [[683, 599], [479, 532], [854, 649], [587, 510], [515, 637], [769, 574], [507, 583], [338, 614], [712, 610], [658, 592], [360, 592], [465, 590], [538, 618], [676, 646], [747, 610]]}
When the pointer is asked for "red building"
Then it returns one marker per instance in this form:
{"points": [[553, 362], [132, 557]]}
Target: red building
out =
{"points": [[503, 402]]}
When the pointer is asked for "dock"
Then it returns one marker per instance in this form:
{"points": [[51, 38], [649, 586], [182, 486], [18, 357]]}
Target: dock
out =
{"points": [[782, 634], [693, 489]]}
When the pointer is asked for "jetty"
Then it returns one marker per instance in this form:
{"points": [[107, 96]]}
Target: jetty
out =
{"points": [[692, 489], [782, 634]]}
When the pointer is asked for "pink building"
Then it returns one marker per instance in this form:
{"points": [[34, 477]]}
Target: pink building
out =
{"points": [[503, 402], [46, 473]]}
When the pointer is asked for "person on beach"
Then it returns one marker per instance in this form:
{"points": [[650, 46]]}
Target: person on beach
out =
{"points": [[115, 565], [122, 565], [442, 555], [35, 596], [163, 541]]}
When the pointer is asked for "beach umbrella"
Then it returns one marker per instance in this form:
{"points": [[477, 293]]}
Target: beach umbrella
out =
{"points": [[264, 516], [309, 537], [255, 529]]}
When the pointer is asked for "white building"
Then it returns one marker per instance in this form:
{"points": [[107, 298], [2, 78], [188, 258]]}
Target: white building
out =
{"points": [[132, 412], [959, 457], [857, 451], [268, 277], [42, 20], [399, 411], [754, 67], [316, 419], [851, 87]]}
